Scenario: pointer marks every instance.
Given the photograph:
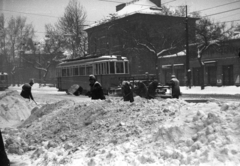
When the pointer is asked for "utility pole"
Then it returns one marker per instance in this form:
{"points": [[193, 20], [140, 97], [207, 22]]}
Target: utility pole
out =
{"points": [[188, 72]]}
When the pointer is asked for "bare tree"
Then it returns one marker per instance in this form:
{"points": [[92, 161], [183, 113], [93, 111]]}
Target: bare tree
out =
{"points": [[72, 24], [46, 54], [16, 32], [209, 33]]}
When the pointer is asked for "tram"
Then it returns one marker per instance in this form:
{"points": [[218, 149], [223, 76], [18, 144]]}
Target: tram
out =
{"points": [[108, 70], [3, 81]]}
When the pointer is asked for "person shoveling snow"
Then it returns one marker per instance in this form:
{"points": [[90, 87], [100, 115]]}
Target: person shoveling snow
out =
{"points": [[27, 91]]}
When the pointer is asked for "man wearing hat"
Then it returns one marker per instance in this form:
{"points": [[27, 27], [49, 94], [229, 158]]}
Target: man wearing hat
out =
{"points": [[96, 91], [174, 83], [127, 91], [27, 90]]}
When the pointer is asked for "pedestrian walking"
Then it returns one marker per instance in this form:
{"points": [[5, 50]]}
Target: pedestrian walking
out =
{"points": [[96, 90], [27, 90], [174, 84], [152, 87], [127, 91]]}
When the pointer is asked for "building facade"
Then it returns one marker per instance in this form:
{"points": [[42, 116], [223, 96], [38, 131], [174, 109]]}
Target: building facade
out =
{"points": [[221, 66], [105, 39]]}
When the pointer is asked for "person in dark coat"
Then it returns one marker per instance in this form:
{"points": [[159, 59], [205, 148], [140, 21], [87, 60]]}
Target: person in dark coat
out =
{"points": [[96, 91], [142, 89], [27, 90], [4, 161], [151, 93], [127, 91], [174, 84]]}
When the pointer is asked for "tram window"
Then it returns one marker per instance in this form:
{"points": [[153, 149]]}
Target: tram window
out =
{"points": [[126, 67], [64, 72], [112, 68], [82, 70], [75, 70], [119, 67], [68, 72], [97, 71], [89, 70]]}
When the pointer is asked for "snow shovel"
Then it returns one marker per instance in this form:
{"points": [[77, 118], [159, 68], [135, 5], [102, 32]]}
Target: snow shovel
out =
{"points": [[35, 102]]}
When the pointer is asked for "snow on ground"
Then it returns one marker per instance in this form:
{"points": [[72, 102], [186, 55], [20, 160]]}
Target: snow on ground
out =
{"points": [[159, 132], [230, 90]]}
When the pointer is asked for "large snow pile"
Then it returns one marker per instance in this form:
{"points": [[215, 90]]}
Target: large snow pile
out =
{"points": [[146, 132], [13, 108]]}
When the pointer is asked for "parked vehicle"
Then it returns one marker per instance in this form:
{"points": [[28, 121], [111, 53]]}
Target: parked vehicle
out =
{"points": [[108, 69], [3, 81]]}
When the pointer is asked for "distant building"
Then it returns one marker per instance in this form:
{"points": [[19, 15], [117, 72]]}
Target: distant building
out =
{"points": [[102, 36], [221, 65]]}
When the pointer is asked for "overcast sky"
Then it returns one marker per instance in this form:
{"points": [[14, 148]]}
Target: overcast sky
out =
{"points": [[41, 12]]}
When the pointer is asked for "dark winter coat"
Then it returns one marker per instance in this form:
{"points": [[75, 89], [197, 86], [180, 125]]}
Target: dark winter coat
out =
{"points": [[142, 90], [127, 92], [4, 161], [96, 91], [174, 83], [26, 91], [152, 90]]}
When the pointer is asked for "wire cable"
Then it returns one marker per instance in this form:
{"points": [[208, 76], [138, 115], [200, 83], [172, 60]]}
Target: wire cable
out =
{"points": [[221, 12], [215, 6], [28, 13]]}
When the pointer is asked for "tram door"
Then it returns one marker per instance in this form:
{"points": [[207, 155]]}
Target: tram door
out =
{"points": [[227, 71]]}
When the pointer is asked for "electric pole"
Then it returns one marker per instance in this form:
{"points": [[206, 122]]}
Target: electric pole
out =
{"points": [[188, 72]]}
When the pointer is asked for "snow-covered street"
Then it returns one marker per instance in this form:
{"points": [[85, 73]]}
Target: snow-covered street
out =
{"points": [[72, 131]]}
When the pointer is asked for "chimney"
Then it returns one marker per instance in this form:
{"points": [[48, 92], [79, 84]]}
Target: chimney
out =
{"points": [[156, 2], [120, 7]]}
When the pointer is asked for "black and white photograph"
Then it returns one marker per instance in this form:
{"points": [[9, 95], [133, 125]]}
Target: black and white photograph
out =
{"points": [[119, 83]]}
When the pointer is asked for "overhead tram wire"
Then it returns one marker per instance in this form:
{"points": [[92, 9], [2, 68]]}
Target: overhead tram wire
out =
{"points": [[216, 6], [27, 13], [229, 21], [221, 12]]}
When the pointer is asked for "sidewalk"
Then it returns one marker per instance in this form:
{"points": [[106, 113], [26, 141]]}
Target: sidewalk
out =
{"points": [[212, 90]]}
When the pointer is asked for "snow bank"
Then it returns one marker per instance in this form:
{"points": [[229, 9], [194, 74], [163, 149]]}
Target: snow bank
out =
{"points": [[13, 108], [146, 132]]}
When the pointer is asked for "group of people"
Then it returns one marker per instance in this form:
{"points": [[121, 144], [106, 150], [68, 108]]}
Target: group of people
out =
{"points": [[149, 92], [96, 90]]}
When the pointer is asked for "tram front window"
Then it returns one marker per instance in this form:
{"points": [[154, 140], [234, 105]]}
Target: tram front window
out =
{"points": [[119, 67], [112, 69]]}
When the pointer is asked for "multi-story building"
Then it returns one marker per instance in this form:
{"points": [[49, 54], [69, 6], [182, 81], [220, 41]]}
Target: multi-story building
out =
{"points": [[103, 37]]}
